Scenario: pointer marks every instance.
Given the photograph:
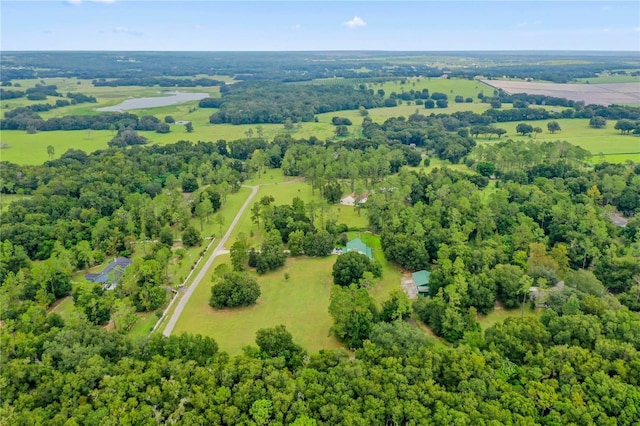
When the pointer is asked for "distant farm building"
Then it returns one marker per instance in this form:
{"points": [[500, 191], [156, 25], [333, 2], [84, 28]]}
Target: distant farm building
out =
{"points": [[350, 200], [357, 245], [421, 280], [111, 275]]}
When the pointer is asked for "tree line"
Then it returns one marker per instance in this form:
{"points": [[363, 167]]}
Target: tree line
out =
{"points": [[158, 81]]}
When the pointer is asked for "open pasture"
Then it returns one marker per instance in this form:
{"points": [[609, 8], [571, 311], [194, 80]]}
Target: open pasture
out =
{"points": [[301, 303], [602, 94], [577, 131], [610, 79], [450, 87], [24, 148]]}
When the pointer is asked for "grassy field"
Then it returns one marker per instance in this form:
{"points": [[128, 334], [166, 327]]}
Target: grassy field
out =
{"points": [[609, 79], [500, 314], [6, 199], [450, 87], [301, 303], [64, 307], [23, 148], [577, 131], [144, 325]]}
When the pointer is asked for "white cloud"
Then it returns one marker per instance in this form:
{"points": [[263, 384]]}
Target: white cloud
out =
{"points": [[128, 31], [522, 24], [197, 26], [605, 30], [637, 29], [296, 27], [355, 22], [77, 2]]}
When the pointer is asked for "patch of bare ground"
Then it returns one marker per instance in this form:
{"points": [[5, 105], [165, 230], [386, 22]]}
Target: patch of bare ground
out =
{"points": [[602, 94]]}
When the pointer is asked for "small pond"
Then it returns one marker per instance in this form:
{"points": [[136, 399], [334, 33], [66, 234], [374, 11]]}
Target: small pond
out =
{"points": [[159, 101]]}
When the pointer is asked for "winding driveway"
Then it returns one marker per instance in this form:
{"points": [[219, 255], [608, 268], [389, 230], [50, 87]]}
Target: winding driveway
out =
{"points": [[218, 250]]}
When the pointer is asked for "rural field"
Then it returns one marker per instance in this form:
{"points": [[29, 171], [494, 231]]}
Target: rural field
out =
{"points": [[300, 303], [610, 79], [601, 93], [607, 141]]}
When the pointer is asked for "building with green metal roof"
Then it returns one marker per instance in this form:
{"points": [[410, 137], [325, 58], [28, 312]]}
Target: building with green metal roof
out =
{"points": [[357, 245], [421, 279]]}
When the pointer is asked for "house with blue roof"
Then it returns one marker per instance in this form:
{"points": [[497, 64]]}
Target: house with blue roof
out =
{"points": [[111, 275]]}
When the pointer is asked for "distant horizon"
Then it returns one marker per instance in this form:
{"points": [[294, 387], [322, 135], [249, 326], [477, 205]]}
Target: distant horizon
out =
{"points": [[311, 26], [327, 51]]}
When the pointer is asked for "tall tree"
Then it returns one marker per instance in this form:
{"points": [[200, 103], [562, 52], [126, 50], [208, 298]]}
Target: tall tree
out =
{"points": [[553, 126], [354, 314]]}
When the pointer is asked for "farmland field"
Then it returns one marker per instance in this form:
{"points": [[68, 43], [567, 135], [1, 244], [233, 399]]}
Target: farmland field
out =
{"points": [[603, 94]]}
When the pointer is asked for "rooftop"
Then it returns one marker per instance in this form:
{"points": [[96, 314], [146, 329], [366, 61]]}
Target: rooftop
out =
{"points": [[421, 279], [111, 275], [357, 245]]}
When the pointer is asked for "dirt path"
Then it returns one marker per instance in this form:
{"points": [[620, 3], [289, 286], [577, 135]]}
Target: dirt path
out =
{"points": [[217, 251], [409, 286]]}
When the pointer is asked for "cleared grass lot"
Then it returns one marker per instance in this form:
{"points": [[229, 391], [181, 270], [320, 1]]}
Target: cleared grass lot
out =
{"points": [[301, 303]]}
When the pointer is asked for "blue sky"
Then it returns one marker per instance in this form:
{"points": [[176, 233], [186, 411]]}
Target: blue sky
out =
{"points": [[319, 25]]}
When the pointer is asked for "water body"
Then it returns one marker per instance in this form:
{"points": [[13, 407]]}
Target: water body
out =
{"points": [[159, 101]]}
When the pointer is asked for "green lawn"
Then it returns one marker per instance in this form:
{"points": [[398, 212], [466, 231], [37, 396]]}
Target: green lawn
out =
{"points": [[7, 199], [64, 307], [144, 325], [300, 303], [500, 314]]}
